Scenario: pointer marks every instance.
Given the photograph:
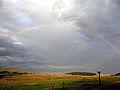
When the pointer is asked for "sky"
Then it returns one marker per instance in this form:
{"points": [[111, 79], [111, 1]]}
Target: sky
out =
{"points": [[58, 36]]}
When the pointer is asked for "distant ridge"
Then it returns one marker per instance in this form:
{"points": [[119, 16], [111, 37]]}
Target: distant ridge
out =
{"points": [[117, 74], [12, 70], [82, 73]]}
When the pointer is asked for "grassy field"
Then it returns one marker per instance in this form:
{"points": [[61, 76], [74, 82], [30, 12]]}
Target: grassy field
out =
{"points": [[58, 82]]}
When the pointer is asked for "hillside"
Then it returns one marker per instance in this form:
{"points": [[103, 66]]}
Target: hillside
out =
{"points": [[82, 73], [12, 70]]}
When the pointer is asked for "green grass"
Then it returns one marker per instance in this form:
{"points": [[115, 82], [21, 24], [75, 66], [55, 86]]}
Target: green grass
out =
{"points": [[43, 82]]}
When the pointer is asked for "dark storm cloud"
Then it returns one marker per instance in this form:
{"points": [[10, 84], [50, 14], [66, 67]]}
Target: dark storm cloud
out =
{"points": [[13, 54]]}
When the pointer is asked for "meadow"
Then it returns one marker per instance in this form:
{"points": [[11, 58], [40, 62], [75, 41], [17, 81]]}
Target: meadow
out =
{"points": [[59, 82]]}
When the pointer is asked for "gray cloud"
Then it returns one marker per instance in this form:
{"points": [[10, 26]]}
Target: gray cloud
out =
{"points": [[70, 36], [13, 54], [98, 20], [93, 17]]}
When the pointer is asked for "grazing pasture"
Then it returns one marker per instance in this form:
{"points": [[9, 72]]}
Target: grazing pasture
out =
{"points": [[58, 82]]}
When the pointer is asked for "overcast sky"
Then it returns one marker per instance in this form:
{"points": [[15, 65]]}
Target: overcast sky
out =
{"points": [[60, 35]]}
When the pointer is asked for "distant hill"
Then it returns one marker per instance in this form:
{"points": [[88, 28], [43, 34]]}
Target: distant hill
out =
{"points": [[118, 74], [82, 73], [12, 70]]}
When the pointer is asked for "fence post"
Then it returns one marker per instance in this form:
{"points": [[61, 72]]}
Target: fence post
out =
{"points": [[5, 88], [63, 85], [84, 81], [12, 88], [52, 86], [49, 86]]}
